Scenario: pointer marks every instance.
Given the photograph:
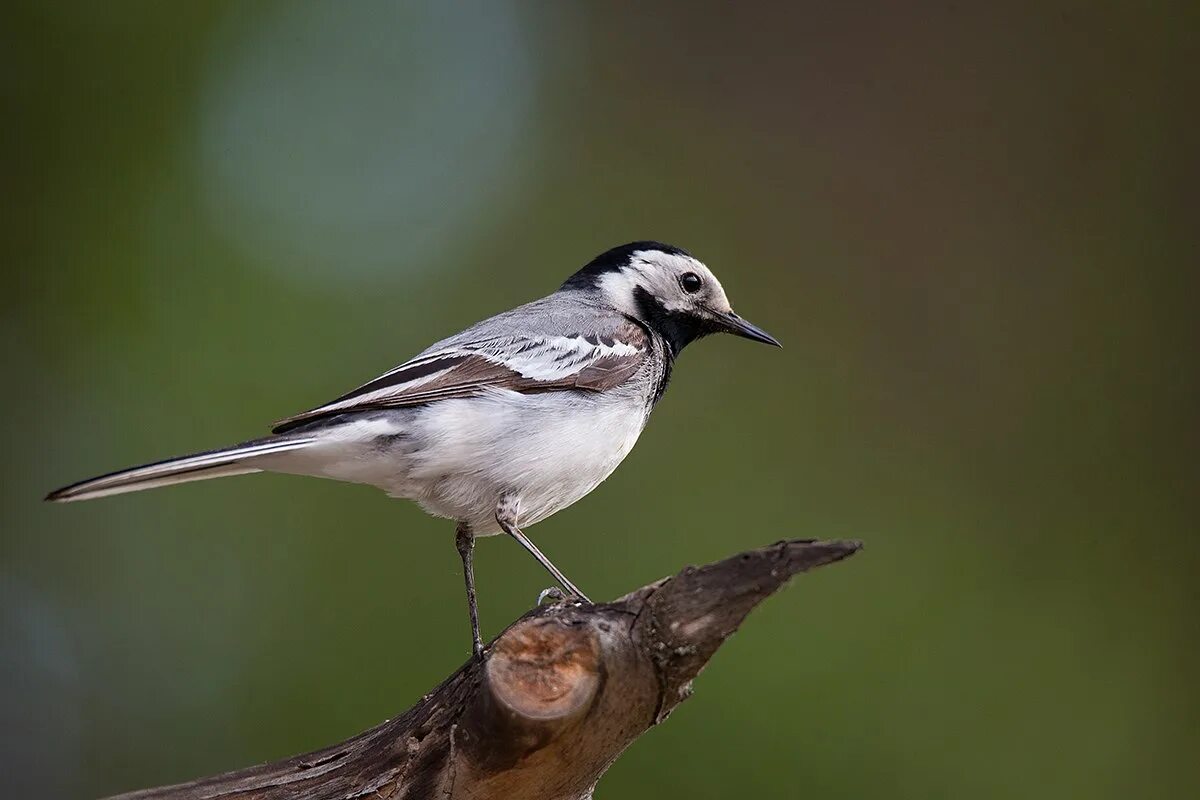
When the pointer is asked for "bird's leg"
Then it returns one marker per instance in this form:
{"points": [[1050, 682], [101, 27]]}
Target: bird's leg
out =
{"points": [[464, 540], [506, 515]]}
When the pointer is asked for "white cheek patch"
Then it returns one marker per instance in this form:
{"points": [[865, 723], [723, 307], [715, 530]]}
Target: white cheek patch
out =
{"points": [[659, 273], [660, 281], [618, 287]]}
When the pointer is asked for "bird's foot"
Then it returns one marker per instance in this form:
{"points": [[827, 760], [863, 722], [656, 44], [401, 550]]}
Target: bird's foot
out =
{"points": [[553, 594]]}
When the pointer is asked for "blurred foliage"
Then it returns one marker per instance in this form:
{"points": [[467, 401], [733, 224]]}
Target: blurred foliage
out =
{"points": [[973, 229]]}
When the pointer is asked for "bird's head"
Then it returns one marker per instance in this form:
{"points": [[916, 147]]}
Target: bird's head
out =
{"points": [[667, 289]]}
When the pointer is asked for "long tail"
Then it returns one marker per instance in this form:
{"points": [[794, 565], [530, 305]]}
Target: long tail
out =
{"points": [[237, 460]]}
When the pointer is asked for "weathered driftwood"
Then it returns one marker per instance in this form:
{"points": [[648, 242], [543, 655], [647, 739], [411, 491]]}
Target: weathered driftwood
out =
{"points": [[555, 699]]}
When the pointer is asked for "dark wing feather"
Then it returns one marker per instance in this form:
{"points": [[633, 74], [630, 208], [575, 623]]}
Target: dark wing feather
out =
{"points": [[608, 372], [527, 365]]}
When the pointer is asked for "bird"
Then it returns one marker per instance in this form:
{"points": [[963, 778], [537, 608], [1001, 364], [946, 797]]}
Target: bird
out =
{"points": [[504, 424]]}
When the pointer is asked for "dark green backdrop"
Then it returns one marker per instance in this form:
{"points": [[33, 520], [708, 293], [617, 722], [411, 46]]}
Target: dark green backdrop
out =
{"points": [[975, 232]]}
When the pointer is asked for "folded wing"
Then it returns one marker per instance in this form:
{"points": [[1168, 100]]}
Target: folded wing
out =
{"points": [[587, 362]]}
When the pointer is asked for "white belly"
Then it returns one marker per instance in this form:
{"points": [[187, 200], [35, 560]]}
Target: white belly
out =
{"points": [[549, 449]]}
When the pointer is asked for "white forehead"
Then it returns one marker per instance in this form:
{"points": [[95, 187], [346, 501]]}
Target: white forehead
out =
{"points": [[658, 272]]}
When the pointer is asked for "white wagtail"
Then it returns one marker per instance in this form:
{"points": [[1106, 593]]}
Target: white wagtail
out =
{"points": [[502, 425]]}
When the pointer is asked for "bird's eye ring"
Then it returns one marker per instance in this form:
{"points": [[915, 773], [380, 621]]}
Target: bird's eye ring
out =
{"points": [[690, 282]]}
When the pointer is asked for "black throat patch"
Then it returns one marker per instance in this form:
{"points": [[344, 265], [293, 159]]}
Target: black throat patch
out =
{"points": [[677, 328]]}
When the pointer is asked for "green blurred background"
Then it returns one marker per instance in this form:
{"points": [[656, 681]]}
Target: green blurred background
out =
{"points": [[974, 230]]}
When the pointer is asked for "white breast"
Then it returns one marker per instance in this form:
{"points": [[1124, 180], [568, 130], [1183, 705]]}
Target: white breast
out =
{"points": [[550, 449]]}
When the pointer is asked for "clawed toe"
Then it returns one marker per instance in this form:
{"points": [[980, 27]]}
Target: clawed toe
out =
{"points": [[553, 594], [556, 595]]}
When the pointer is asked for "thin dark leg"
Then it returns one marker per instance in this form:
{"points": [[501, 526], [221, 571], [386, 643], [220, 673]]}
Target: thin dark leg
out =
{"points": [[465, 541], [506, 514]]}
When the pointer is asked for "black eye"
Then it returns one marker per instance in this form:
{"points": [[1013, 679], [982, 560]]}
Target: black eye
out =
{"points": [[690, 282]]}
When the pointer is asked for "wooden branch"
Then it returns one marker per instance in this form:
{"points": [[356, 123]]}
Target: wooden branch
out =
{"points": [[556, 698]]}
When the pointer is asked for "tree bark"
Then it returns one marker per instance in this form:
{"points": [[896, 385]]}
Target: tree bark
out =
{"points": [[551, 705]]}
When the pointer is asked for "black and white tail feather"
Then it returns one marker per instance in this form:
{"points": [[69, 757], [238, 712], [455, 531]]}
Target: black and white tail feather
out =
{"points": [[237, 460]]}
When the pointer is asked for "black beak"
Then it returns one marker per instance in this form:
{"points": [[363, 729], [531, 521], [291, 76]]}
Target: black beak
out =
{"points": [[734, 324]]}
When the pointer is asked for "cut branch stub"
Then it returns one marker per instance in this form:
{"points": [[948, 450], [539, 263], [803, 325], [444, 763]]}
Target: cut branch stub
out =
{"points": [[540, 677], [545, 669], [557, 697]]}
